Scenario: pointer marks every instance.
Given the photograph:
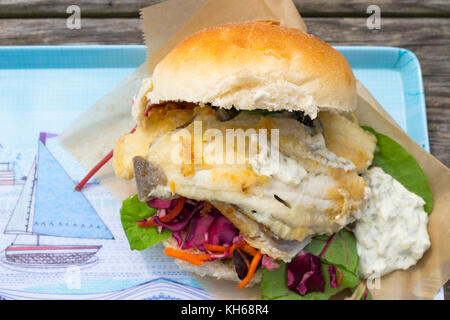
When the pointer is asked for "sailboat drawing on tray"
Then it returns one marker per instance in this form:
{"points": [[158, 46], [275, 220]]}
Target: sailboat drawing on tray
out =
{"points": [[49, 206]]}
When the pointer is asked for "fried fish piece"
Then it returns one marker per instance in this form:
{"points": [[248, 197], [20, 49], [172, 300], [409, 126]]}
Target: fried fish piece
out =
{"points": [[164, 118], [313, 191], [259, 237], [346, 139]]}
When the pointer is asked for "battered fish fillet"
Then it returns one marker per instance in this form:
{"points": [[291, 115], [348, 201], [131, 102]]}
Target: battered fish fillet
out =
{"points": [[259, 237], [314, 191]]}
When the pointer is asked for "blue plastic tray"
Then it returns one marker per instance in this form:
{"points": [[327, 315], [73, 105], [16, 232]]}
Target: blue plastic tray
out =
{"points": [[45, 88], [393, 76]]}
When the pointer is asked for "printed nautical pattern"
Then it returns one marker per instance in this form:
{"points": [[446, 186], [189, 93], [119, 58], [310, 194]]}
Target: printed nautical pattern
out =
{"points": [[158, 289], [59, 211], [6, 173], [74, 241]]}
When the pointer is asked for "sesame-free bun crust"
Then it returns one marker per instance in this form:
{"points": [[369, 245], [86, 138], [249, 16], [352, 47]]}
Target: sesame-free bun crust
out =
{"points": [[256, 65]]}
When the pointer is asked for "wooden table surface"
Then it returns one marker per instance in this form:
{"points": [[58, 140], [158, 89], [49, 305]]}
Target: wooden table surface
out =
{"points": [[422, 26]]}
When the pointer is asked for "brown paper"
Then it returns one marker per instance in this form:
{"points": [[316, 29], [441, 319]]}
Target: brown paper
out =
{"points": [[165, 25]]}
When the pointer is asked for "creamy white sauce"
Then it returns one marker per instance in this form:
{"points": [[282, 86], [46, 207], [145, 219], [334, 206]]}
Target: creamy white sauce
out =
{"points": [[285, 169], [392, 232]]}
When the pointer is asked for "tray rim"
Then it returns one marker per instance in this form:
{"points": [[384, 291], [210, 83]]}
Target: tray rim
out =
{"points": [[413, 61]]}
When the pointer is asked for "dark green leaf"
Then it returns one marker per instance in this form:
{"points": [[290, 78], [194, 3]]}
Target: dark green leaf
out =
{"points": [[341, 251], [140, 238], [397, 162], [273, 283]]}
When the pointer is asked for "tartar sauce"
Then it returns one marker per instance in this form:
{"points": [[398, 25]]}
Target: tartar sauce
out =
{"points": [[392, 232]]}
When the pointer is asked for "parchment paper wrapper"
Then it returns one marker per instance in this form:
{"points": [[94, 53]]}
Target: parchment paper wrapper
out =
{"points": [[92, 136]]}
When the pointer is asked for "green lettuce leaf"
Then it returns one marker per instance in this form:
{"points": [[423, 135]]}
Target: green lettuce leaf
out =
{"points": [[140, 238], [397, 162], [341, 252]]}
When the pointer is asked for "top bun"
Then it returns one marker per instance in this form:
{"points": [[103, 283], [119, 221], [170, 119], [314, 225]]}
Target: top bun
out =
{"points": [[256, 65]]}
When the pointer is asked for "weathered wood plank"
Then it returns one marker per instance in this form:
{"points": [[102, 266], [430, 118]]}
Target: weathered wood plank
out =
{"points": [[89, 8], [308, 8], [358, 8], [55, 31], [428, 38]]}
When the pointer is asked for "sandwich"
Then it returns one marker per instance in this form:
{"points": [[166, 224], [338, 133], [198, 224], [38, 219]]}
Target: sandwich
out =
{"points": [[250, 166]]}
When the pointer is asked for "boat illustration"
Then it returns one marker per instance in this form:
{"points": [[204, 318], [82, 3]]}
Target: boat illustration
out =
{"points": [[49, 206], [6, 173]]}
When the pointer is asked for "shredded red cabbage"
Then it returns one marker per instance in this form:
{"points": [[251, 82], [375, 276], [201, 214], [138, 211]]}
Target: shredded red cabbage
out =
{"points": [[269, 263], [304, 274], [181, 221], [159, 203], [192, 202], [238, 239], [161, 213], [332, 272], [222, 232], [202, 227], [198, 227], [179, 237]]}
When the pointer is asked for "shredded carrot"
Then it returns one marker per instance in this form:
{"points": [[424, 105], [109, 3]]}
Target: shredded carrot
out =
{"points": [[250, 250], [339, 280], [175, 211], [147, 224], [230, 250], [216, 248], [235, 246], [97, 167], [193, 258], [251, 270]]}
